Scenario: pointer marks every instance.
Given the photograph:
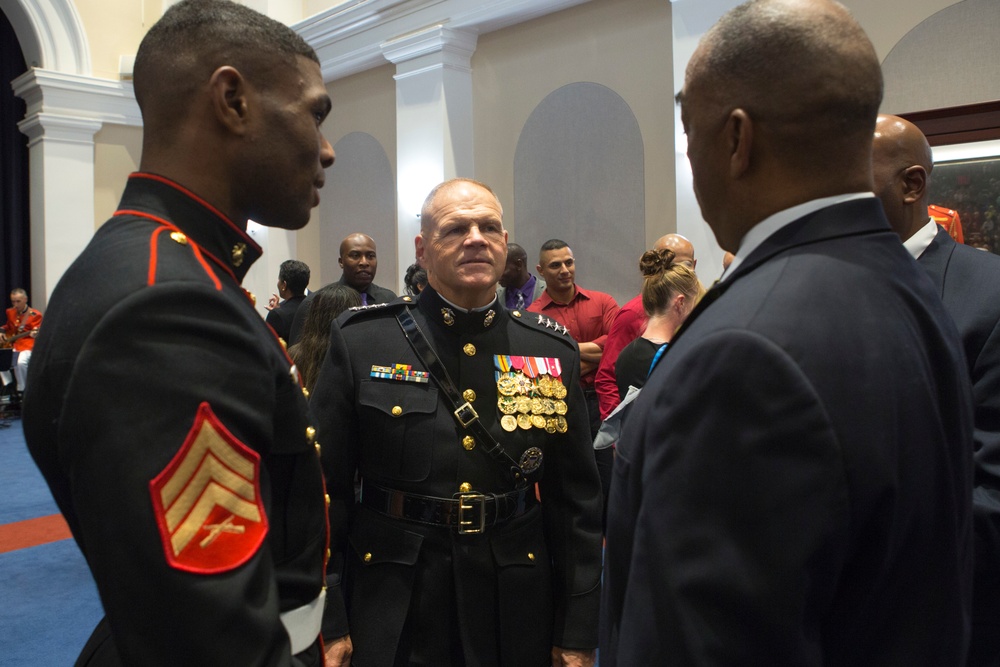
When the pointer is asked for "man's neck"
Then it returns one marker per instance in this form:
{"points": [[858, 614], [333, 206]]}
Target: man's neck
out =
{"points": [[523, 281], [563, 297]]}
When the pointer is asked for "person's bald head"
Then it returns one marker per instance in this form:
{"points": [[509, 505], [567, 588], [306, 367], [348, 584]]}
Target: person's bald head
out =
{"points": [[515, 272], [779, 102], [359, 260], [683, 250], [901, 164]]}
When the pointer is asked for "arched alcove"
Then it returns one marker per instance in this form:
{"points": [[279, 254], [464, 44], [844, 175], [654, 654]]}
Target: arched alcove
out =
{"points": [[947, 60], [579, 176], [359, 196], [51, 34]]}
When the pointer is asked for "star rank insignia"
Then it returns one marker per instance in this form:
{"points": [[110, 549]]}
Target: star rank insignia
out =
{"points": [[207, 500]]}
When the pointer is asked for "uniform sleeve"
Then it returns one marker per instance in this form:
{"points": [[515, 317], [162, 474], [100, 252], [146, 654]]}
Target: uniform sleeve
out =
{"points": [[572, 503], [727, 484], [333, 403], [131, 402], [624, 329]]}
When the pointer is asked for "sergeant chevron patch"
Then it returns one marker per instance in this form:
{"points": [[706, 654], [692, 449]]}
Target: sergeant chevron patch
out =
{"points": [[207, 500]]}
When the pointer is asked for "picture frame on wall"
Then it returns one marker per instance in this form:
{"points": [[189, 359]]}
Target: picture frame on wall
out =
{"points": [[965, 181]]}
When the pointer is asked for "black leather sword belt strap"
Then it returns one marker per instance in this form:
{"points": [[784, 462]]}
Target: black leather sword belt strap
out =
{"points": [[470, 513], [463, 411]]}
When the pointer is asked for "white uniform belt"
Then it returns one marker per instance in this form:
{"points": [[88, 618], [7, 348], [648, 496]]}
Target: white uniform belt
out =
{"points": [[303, 625]]}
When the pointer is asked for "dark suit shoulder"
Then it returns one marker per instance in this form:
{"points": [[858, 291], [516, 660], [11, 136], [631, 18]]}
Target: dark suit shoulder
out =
{"points": [[544, 325]]}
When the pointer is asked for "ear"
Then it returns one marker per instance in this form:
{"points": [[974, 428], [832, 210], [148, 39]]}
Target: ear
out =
{"points": [[739, 135], [418, 244], [914, 183], [228, 93], [340, 260]]}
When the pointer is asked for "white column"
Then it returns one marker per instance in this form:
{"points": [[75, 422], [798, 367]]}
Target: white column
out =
{"points": [[433, 120], [61, 169]]}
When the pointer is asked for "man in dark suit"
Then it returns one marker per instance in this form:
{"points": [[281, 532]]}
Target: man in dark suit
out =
{"points": [[448, 558], [968, 281], [794, 484], [169, 423], [293, 278], [359, 263]]}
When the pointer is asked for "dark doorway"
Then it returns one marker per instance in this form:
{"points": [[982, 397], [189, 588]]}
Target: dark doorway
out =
{"points": [[15, 222]]}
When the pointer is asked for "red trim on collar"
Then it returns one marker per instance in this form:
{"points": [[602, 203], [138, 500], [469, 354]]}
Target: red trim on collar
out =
{"points": [[180, 188]]}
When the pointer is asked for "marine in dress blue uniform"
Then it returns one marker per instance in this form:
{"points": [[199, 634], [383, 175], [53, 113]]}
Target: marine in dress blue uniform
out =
{"points": [[410, 581]]}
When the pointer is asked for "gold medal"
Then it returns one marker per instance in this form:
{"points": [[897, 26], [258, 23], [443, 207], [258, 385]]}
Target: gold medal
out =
{"points": [[561, 424], [509, 423], [549, 406], [524, 421], [524, 383], [538, 421], [561, 407], [545, 385], [550, 425], [523, 404], [537, 407], [507, 405], [507, 386], [559, 390]]}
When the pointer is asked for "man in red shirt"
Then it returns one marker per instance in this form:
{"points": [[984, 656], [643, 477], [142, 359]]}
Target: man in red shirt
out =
{"points": [[629, 325], [587, 315], [19, 334]]}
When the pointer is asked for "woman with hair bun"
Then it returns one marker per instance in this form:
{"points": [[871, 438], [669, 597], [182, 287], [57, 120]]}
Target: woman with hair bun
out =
{"points": [[670, 291]]}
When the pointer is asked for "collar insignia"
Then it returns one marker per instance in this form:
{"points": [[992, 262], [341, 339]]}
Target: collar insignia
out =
{"points": [[448, 315], [238, 252]]}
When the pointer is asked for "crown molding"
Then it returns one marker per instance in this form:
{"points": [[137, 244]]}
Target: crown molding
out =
{"points": [[74, 95], [353, 36]]}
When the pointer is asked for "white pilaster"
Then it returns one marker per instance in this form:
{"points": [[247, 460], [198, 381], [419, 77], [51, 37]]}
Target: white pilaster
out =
{"points": [[433, 120], [60, 155]]}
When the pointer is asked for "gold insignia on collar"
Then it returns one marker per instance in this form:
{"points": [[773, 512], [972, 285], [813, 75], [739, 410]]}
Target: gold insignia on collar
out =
{"points": [[449, 316], [238, 251], [179, 237], [489, 317]]}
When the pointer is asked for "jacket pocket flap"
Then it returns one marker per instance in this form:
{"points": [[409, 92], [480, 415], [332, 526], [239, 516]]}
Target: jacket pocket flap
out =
{"points": [[375, 542], [398, 398]]}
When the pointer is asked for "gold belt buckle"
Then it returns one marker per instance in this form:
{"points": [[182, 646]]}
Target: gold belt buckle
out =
{"points": [[467, 514], [465, 414]]}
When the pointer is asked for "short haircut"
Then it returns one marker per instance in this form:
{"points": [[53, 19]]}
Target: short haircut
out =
{"points": [[553, 244], [516, 252], [814, 76], [19, 291], [196, 37], [295, 274], [426, 211]]}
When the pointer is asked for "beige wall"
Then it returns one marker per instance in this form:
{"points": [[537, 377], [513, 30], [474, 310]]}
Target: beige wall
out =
{"points": [[622, 44], [887, 21], [365, 102], [114, 28], [116, 155]]}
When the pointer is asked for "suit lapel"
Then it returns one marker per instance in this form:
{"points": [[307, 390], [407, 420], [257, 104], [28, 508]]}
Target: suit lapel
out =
{"points": [[936, 257]]}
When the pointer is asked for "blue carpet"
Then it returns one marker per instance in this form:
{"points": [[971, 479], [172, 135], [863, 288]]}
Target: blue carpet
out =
{"points": [[50, 605], [48, 601], [23, 492]]}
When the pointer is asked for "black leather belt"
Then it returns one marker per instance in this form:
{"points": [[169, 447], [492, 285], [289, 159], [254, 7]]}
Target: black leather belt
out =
{"points": [[469, 513]]}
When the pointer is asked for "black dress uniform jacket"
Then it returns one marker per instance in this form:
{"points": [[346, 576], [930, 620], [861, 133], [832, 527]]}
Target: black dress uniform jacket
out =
{"points": [[150, 343], [419, 593], [793, 486]]}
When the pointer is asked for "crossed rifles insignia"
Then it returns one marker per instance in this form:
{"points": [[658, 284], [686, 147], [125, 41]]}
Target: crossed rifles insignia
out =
{"points": [[207, 500]]}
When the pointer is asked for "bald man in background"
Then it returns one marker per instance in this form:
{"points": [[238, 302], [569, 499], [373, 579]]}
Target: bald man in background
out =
{"points": [[629, 324], [359, 262], [968, 281]]}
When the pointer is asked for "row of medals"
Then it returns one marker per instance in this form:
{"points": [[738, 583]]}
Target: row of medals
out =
{"points": [[521, 409]]}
